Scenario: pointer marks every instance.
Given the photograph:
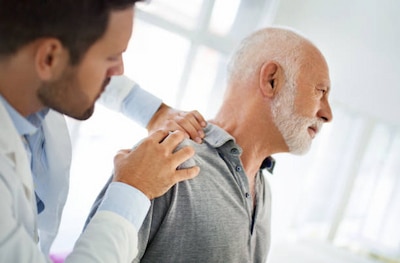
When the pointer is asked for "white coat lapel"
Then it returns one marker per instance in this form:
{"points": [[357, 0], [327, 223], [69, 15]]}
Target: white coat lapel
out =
{"points": [[12, 149]]}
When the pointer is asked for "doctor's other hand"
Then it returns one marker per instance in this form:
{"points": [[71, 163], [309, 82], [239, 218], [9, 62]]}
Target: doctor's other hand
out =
{"points": [[191, 122], [151, 167]]}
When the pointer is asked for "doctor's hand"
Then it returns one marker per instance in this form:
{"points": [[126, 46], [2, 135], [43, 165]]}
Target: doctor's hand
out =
{"points": [[152, 166], [191, 123]]}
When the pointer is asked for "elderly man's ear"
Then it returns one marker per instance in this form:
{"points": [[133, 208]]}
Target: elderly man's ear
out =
{"points": [[270, 78]]}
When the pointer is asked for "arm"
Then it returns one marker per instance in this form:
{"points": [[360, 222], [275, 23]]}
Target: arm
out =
{"points": [[146, 172], [108, 238], [126, 96], [111, 235]]}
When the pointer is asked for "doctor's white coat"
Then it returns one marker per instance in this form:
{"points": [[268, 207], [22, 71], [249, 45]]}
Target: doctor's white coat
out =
{"points": [[108, 238]]}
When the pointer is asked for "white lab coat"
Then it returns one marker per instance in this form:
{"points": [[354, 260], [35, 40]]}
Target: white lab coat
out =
{"points": [[108, 238]]}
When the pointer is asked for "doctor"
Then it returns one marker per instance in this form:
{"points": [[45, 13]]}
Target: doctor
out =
{"points": [[56, 57]]}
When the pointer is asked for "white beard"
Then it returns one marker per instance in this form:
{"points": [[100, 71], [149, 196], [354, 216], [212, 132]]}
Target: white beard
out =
{"points": [[293, 127]]}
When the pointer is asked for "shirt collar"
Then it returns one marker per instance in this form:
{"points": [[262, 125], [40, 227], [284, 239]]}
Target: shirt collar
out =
{"points": [[28, 125], [216, 137]]}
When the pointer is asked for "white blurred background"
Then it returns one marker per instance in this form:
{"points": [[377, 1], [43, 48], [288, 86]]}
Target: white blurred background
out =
{"points": [[339, 203]]}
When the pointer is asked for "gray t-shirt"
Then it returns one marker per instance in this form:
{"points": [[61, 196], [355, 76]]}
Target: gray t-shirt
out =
{"points": [[209, 218]]}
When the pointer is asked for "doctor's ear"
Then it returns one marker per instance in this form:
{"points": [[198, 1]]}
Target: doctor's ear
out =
{"points": [[50, 58], [270, 74]]}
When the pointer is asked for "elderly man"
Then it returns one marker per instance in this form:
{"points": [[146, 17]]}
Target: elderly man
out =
{"points": [[276, 101]]}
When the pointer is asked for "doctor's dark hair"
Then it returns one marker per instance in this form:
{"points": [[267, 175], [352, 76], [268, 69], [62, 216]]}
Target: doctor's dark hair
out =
{"points": [[77, 24]]}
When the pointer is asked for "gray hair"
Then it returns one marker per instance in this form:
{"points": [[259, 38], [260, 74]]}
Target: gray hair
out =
{"points": [[282, 45]]}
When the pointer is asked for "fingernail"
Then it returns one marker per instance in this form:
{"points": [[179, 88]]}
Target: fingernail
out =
{"points": [[198, 140], [201, 133], [204, 124]]}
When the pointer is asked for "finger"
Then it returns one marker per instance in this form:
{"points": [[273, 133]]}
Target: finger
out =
{"points": [[159, 135], [190, 126], [182, 155], [198, 123], [185, 174], [173, 139], [200, 119], [173, 125], [196, 119]]}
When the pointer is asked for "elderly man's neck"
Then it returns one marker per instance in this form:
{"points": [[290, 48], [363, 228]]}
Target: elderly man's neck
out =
{"points": [[250, 138]]}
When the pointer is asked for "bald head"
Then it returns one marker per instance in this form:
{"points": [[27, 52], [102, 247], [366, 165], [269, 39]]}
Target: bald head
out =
{"points": [[281, 45]]}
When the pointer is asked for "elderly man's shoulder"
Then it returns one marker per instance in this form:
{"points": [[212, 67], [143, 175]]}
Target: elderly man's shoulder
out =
{"points": [[200, 149], [208, 151]]}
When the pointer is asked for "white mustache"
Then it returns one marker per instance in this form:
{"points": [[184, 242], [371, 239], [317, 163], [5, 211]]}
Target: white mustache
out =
{"points": [[317, 125]]}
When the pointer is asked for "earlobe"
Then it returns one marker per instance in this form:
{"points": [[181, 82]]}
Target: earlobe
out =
{"points": [[49, 59], [269, 78]]}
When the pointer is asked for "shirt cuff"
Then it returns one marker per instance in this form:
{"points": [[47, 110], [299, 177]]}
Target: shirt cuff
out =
{"points": [[116, 91], [127, 202], [140, 105]]}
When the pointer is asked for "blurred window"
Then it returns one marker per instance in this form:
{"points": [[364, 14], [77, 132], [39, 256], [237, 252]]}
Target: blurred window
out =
{"points": [[350, 195]]}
